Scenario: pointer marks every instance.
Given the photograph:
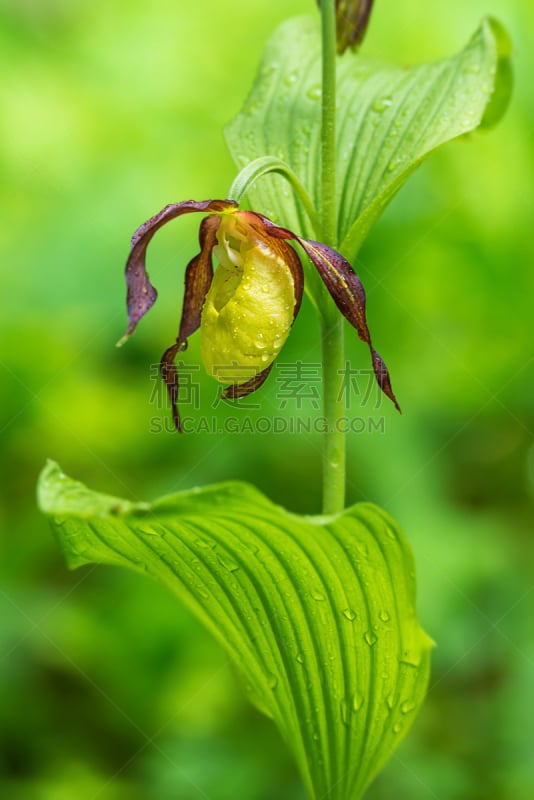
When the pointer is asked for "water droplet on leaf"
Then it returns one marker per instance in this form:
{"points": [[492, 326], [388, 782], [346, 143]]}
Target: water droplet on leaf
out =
{"points": [[227, 563], [381, 103], [272, 681], [407, 706], [314, 92], [345, 712]]}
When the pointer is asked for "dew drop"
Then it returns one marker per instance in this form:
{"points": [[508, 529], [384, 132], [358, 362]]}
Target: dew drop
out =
{"points": [[290, 79], [203, 543], [318, 597], [370, 638], [300, 658], [357, 701], [397, 727], [390, 533], [384, 616], [407, 706], [349, 614], [272, 681], [345, 712], [149, 531], [264, 357], [231, 566], [381, 103], [314, 92]]}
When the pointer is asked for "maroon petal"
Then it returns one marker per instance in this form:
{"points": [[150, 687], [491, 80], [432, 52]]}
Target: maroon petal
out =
{"points": [[198, 277], [169, 373], [141, 294], [348, 294], [238, 390], [344, 286]]}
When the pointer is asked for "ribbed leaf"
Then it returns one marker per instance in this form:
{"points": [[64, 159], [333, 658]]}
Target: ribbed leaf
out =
{"points": [[388, 119], [317, 614]]}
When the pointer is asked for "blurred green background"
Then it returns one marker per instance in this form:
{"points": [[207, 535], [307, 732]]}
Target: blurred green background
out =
{"points": [[109, 689]]}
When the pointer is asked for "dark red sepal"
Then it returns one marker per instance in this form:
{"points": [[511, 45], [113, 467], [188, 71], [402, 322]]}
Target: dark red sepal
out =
{"points": [[141, 295]]}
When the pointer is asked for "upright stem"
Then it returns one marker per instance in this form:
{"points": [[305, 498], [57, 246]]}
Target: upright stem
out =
{"points": [[331, 319]]}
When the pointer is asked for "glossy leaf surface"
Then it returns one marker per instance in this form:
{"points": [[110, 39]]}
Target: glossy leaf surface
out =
{"points": [[317, 613], [389, 119]]}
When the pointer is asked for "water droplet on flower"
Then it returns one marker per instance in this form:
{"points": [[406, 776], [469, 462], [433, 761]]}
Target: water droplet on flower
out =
{"points": [[264, 357], [381, 103], [370, 638], [349, 614]]}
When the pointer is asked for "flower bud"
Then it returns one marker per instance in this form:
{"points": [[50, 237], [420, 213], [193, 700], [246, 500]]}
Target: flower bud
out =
{"points": [[250, 306], [352, 18]]}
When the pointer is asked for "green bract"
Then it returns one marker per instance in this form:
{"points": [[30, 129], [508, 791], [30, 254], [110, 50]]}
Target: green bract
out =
{"points": [[318, 614]]}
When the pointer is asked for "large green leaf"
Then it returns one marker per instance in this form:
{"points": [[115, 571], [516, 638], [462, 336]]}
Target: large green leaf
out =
{"points": [[317, 613], [388, 120]]}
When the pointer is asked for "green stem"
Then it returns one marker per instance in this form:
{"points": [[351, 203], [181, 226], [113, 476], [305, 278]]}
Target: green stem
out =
{"points": [[328, 123], [331, 320], [263, 166]]}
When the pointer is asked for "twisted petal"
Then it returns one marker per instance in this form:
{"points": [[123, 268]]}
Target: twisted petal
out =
{"points": [[141, 294], [198, 277], [237, 390], [348, 294], [345, 288]]}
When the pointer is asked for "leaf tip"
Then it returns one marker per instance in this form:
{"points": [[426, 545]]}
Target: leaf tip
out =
{"points": [[501, 94]]}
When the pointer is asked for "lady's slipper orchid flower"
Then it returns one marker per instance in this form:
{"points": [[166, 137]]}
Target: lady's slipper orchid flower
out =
{"points": [[245, 309]]}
